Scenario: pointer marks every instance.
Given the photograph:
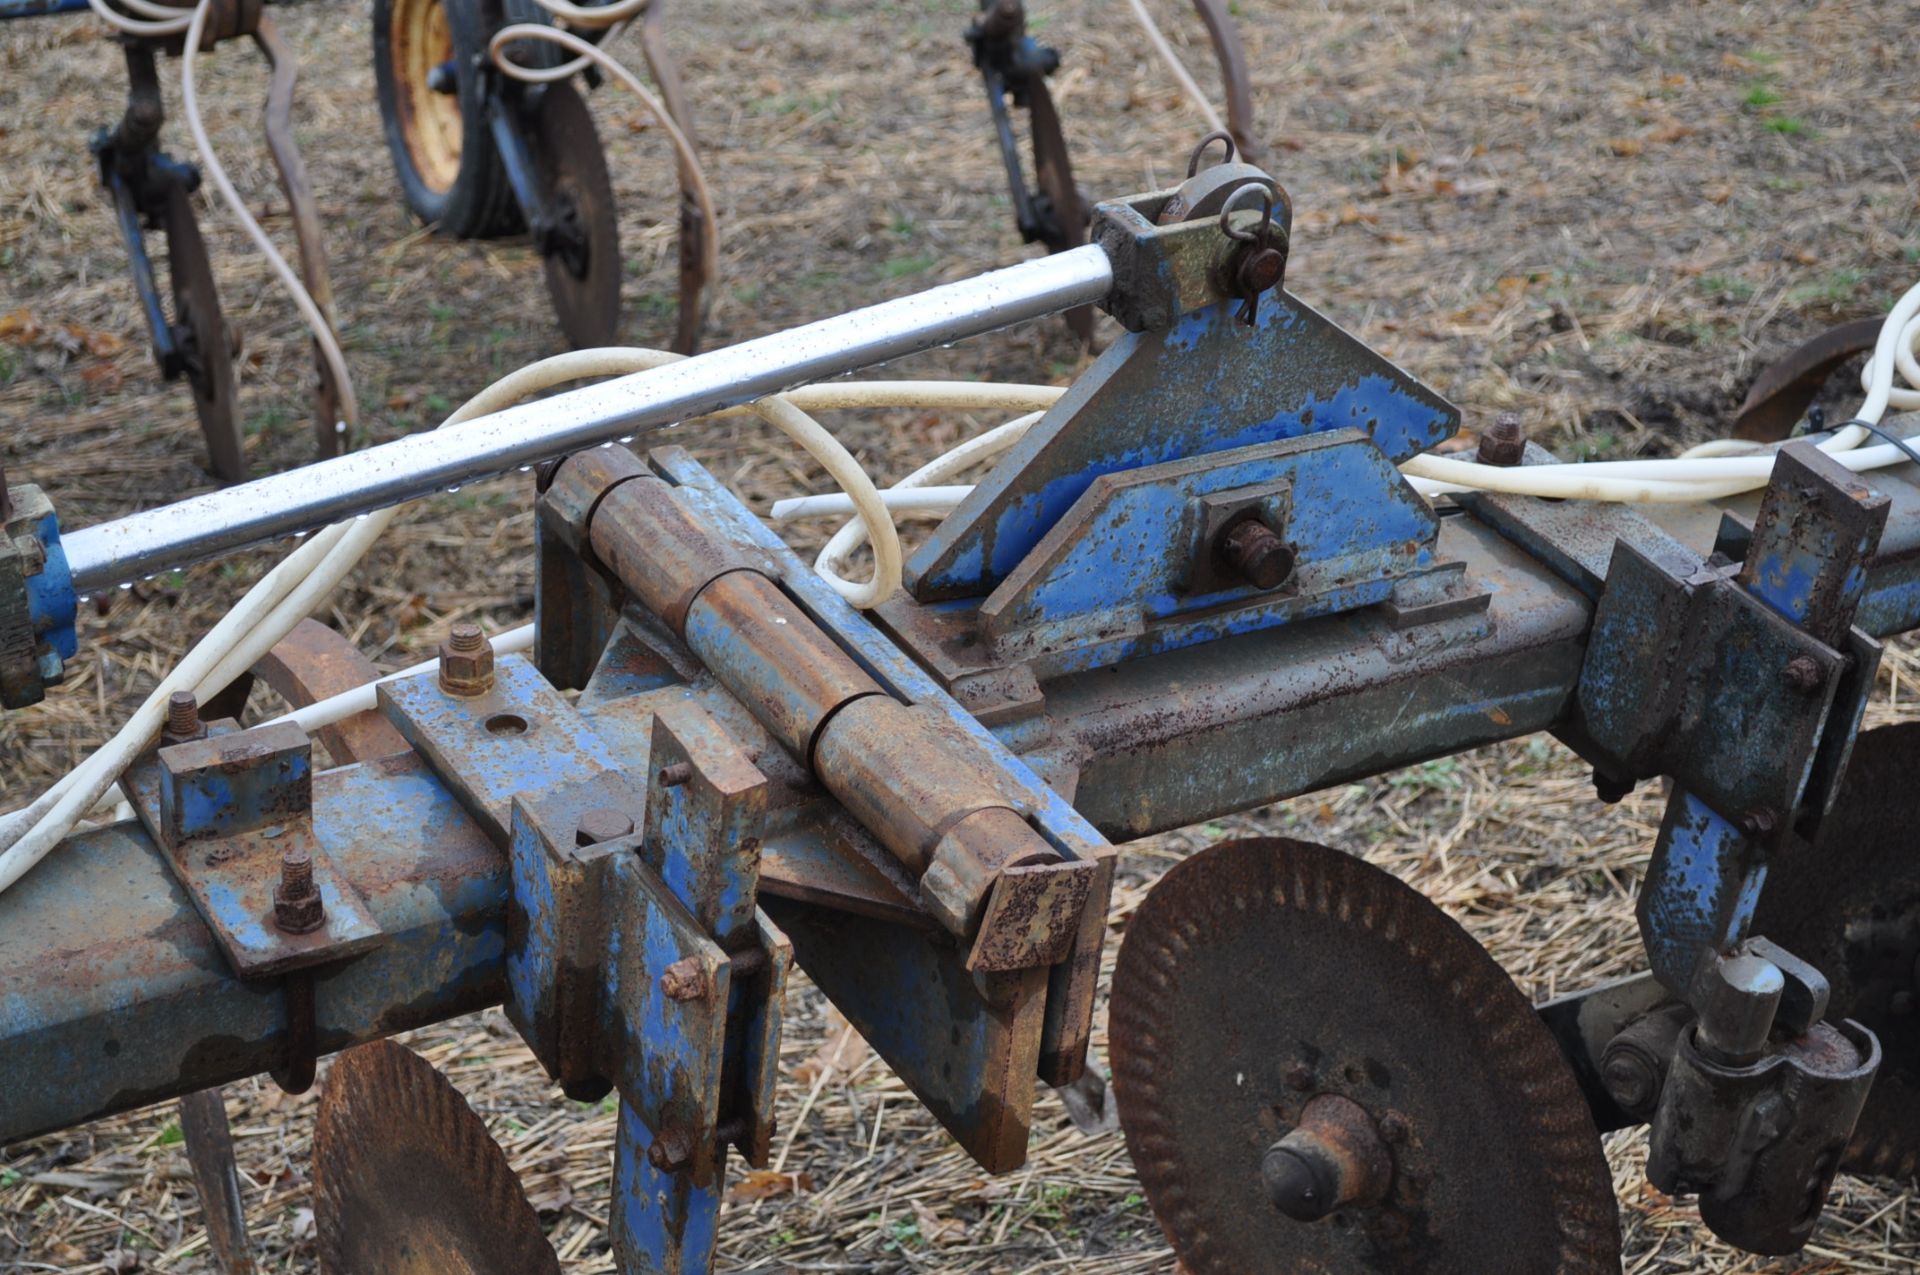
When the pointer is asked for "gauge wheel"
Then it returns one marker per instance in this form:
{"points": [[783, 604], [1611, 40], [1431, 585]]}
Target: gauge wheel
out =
{"points": [[200, 332], [437, 136], [581, 251]]}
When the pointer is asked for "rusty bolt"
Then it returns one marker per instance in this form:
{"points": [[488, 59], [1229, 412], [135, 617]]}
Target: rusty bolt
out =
{"points": [[1758, 822], [1251, 549], [1504, 442], [466, 662], [602, 824], [1394, 1128], [672, 1149], [1631, 1079], [685, 980], [675, 775], [183, 719], [1300, 1077], [1801, 673], [297, 908]]}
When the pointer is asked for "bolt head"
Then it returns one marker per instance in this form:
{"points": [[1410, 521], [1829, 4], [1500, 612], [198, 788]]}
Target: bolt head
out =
{"points": [[1299, 1078], [1503, 443], [1631, 1082], [671, 1151], [1801, 674], [1262, 558], [602, 824], [685, 980]]}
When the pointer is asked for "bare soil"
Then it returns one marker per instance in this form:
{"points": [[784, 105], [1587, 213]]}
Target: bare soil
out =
{"points": [[1605, 217]]}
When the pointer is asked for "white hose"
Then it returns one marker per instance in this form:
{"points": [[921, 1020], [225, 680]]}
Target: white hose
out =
{"points": [[294, 588], [169, 20], [682, 146], [1180, 74]]}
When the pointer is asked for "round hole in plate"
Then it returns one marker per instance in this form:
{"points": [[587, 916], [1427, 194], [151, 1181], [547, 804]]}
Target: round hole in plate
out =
{"points": [[506, 724]]}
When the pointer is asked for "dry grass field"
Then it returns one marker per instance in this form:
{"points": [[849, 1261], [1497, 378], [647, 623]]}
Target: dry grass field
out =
{"points": [[1605, 216]]}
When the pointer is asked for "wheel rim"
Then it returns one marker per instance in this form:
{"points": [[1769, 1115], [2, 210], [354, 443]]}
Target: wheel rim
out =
{"points": [[429, 120]]}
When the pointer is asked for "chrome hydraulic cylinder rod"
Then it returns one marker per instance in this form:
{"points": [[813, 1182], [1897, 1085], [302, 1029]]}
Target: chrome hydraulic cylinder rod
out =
{"points": [[306, 499]]}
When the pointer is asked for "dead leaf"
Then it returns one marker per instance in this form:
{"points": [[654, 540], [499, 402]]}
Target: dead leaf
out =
{"points": [[93, 341], [765, 1184], [19, 326], [1718, 193], [1625, 147], [1667, 134], [937, 1230]]}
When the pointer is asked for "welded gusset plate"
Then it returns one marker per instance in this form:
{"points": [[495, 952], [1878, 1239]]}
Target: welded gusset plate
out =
{"points": [[1850, 905], [227, 810], [1260, 975], [519, 737], [1139, 547], [968, 1047], [407, 1181], [1206, 384]]}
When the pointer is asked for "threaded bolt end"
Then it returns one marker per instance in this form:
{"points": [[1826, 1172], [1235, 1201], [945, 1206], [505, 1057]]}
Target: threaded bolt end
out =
{"points": [[183, 715], [465, 636], [296, 874]]}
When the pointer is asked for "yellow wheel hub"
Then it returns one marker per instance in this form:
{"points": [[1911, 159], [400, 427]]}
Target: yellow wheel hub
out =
{"points": [[430, 121]]}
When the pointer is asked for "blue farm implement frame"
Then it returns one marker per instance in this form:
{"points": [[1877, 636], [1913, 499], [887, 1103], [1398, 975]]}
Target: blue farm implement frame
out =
{"points": [[1197, 586]]}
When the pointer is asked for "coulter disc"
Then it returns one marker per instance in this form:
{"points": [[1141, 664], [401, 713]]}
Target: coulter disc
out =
{"points": [[407, 1181], [1263, 977]]}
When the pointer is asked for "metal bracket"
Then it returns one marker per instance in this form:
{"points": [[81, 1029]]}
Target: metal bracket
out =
{"points": [[1293, 373], [37, 603], [234, 812], [1139, 563]]}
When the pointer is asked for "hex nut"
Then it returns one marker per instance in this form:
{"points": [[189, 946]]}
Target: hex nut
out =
{"points": [[685, 980], [466, 662]]}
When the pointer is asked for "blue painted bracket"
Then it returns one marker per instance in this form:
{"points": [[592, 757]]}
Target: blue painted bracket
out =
{"points": [[1775, 717], [1207, 384], [636, 960], [227, 809], [1129, 569]]}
